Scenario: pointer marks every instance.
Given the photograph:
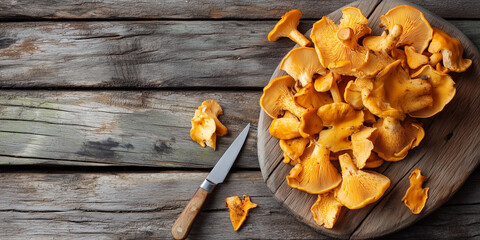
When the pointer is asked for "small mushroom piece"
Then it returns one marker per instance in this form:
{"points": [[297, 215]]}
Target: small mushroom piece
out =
{"points": [[310, 123], [302, 63], [359, 187], [277, 97], [307, 97], [435, 58], [395, 138], [384, 43], [353, 95], [373, 64], [393, 93], [417, 32], [451, 49], [416, 196], [443, 90], [342, 121], [339, 43], [362, 145], [238, 209], [326, 210], [315, 174], [325, 82], [205, 124], [414, 59], [287, 127], [293, 149], [287, 27]]}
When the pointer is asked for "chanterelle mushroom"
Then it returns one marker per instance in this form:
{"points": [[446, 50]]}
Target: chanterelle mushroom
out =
{"points": [[443, 90], [359, 187], [343, 120], [302, 63], [395, 138], [308, 97], [239, 209], [293, 149], [287, 27], [315, 174], [310, 123], [205, 124], [417, 32], [414, 59], [326, 210], [362, 145], [416, 196], [451, 49], [287, 127], [339, 43], [384, 43], [278, 97], [393, 93]]}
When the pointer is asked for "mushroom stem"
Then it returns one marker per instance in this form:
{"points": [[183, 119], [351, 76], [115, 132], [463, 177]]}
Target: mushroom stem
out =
{"points": [[393, 37], [346, 36], [299, 38], [337, 97]]}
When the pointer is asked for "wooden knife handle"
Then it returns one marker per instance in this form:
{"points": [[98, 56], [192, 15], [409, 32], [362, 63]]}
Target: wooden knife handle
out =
{"points": [[184, 222]]}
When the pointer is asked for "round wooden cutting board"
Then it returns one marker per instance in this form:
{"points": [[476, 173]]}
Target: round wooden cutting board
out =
{"points": [[447, 155]]}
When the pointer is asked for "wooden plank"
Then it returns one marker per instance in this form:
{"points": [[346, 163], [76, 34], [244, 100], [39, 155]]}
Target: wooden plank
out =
{"points": [[134, 205], [151, 9], [117, 128], [445, 176], [146, 54]]}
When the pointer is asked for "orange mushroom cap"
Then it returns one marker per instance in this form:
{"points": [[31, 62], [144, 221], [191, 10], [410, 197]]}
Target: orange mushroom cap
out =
{"points": [[396, 138], [239, 209], [359, 187], [324, 83], [307, 97], [414, 59], [302, 63], [343, 120], [293, 148], [205, 124], [310, 123], [393, 93], [443, 90], [416, 196], [451, 49], [315, 174], [353, 95], [326, 210], [362, 145], [287, 27], [399, 54], [277, 97], [335, 43], [287, 127], [417, 32]]}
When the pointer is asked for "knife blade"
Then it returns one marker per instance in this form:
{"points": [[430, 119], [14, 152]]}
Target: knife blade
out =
{"points": [[185, 220]]}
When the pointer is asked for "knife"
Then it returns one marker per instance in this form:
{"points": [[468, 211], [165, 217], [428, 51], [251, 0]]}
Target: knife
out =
{"points": [[184, 222]]}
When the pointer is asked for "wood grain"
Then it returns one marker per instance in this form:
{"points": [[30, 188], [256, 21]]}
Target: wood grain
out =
{"points": [[119, 128], [201, 9], [159, 54], [448, 136], [73, 205]]}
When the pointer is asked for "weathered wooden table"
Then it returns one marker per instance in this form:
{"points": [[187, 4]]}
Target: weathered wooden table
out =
{"points": [[95, 112]]}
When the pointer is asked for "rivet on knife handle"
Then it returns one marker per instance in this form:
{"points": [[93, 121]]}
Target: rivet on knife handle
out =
{"points": [[184, 222]]}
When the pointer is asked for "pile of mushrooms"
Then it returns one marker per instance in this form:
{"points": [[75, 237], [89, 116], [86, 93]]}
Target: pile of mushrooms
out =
{"points": [[353, 98]]}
